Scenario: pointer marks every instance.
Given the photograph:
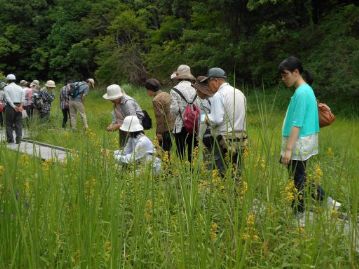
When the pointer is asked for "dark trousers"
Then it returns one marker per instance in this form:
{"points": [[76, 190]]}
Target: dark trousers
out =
{"points": [[65, 116], [183, 140], [228, 152], [297, 171], [1, 119], [29, 110], [166, 143], [13, 121]]}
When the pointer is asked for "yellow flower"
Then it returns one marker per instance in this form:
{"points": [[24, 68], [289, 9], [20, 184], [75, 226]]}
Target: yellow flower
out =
{"points": [[107, 250], [148, 210], [290, 191], [2, 170], [90, 188], [330, 152], [27, 187], [318, 174], [214, 231], [251, 220]]}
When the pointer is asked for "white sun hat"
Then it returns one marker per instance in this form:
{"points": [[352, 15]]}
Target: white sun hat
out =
{"points": [[10, 77], [114, 92], [131, 124], [50, 84]]}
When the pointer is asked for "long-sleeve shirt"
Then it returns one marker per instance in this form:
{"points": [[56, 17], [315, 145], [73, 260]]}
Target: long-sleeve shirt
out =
{"points": [[2, 96], [161, 106], [127, 107], [178, 105], [48, 98], [28, 96], [136, 149], [14, 94], [228, 111], [64, 97]]}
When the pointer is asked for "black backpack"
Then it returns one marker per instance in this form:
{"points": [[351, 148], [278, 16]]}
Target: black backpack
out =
{"points": [[146, 120], [77, 88]]}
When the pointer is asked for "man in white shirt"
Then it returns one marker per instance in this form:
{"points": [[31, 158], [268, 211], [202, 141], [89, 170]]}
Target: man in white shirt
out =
{"points": [[227, 119], [15, 97]]}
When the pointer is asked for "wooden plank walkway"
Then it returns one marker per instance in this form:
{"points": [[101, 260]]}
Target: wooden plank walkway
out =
{"points": [[37, 149]]}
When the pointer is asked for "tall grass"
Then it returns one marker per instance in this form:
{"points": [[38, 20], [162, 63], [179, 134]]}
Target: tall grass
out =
{"points": [[90, 213]]}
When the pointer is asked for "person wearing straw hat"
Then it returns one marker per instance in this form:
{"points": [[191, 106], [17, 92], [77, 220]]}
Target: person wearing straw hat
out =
{"points": [[15, 97], [47, 97], [227, 119], [182, 94], [161, 105], [123, 106], [205, 96], [78, 91], [139, 148]]}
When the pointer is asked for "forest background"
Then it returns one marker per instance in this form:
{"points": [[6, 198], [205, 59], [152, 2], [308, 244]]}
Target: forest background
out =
{"points": [[129, 41]]}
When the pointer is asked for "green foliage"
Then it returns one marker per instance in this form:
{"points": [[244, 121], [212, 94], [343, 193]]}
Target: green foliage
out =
{"points": [[131, 40]]}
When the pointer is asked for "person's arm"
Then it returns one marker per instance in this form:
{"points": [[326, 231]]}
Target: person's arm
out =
{"points": [[137, 153], [216, 116], [294, 133], [8, 99]]}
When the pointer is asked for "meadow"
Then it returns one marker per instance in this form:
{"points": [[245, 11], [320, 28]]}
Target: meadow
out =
{"points": [[88, 212]]}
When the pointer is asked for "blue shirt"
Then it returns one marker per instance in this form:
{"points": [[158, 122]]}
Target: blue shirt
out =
{"points": [[302, 112]]}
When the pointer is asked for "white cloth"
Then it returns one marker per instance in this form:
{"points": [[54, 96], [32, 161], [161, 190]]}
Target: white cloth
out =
{"points": [[178, 104], [14, 94], [228, 111], [304, 148], [139, 149]]}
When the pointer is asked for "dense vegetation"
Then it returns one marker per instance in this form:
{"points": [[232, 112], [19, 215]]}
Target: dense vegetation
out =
{"points": [[118, 41], [90, 213]]}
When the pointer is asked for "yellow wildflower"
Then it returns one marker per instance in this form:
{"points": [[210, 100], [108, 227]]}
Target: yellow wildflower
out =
{"points": [[2, 170], [318, 174], [27, 187], [214, 231], [330, 152], [90, 188], [148, 210], [251, 219], [107, 250], [290, 191]]}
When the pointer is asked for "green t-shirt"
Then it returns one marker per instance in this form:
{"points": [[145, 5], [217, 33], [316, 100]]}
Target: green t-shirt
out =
{"points": [[302, 112]]}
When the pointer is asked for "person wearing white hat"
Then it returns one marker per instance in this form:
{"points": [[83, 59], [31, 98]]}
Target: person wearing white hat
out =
{"points": [[77, 92], [15, 98], [139, 148], [123, 106], [47, 97], [181, 95]]}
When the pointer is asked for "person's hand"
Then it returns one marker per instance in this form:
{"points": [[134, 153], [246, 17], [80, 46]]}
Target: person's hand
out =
{"points": [[110, 128], [286, 157], [159, 137]]}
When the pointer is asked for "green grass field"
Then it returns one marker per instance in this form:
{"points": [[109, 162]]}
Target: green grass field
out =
{"points": [[90, 213]]}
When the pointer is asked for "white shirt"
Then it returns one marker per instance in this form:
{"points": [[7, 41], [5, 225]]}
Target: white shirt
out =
{"points": [[304, 148], [14, 94], [228, 111], [139, 149]]}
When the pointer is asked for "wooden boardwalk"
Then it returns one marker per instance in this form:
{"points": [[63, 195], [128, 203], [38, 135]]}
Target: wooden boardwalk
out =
{"points": [[36, 149]]}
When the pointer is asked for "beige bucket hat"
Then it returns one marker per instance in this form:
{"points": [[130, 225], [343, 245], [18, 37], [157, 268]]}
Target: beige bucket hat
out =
{"points": [[184, 72], [114, 92], [131, 124]]}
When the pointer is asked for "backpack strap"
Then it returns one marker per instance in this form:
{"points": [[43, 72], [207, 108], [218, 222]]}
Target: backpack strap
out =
{"points": [[180, 94]]}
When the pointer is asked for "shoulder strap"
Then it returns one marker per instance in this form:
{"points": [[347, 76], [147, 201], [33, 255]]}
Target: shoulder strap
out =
{"points": [[180, 94]]}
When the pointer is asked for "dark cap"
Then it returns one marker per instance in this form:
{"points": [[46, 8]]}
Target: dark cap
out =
{"points": [[152, 84], [215, 72], [202, 86]]}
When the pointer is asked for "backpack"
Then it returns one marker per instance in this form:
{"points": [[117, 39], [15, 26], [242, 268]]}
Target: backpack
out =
{"points": [[76, 89], [191, 114], [326, 117], [37, 100], [146, 120]]}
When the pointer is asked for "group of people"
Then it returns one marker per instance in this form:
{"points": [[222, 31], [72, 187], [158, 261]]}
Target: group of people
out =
{"points": [[28, 100], [206, 109]]}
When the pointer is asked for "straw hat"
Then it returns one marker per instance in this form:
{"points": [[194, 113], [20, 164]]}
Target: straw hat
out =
{"points": [[131, 124], [202, 86], [50, 84], [91, 81], [184, 72], [35, 83], [114, 92]]}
